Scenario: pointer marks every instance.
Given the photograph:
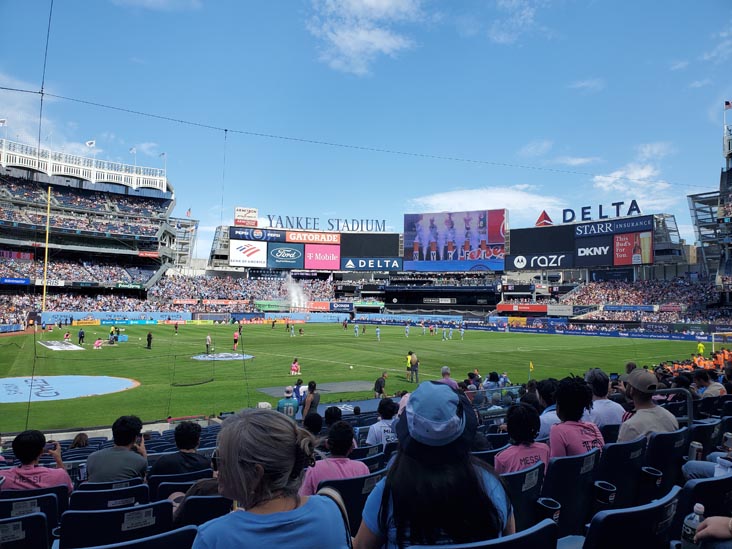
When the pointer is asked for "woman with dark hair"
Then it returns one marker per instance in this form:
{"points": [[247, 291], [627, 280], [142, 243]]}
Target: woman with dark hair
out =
{"points": [[523, 425], [80, 441], [492, 381], [312, 399], [572, 436], [435, 491], [262, 456]]}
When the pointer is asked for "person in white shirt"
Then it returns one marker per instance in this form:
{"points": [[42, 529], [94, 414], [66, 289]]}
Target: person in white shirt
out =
{"points": [[381, 432], [545, 390], [604, 411]]}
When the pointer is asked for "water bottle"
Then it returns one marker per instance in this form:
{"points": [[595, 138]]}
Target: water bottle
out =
{"points": [[688, 530]]}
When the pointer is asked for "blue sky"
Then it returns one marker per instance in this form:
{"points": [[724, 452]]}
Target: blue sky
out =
{"points": [[560, 103]]}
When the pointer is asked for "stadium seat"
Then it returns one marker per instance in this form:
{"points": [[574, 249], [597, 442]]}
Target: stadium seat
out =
{"points": [[200, 509], [45, 503], [365, 451], [61, 492], [25, 532], [154, 480], [497, 440], [88, 500], [610, 432], [620, 465], [182, 538], [375, 462], [646, 526], [167, 488], [577, 472], [389, 449], [110, 485], [726, 409], [543, 535], [706, 432], [714, 493], [524, 489], [89, 528], [665, 452], [354, 492], [489, 456]]}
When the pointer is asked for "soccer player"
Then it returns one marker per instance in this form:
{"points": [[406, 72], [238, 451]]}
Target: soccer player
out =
{"points": [[355, 330], [449, 333], [462, 333], [406, 330], [424, 328], [292, 330], [236, 339], [208, 343], [378, 333], [700, 348], [444, 334]]}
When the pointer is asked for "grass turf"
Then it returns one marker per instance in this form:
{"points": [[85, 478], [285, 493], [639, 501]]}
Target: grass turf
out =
{"points": [[325, 352]]}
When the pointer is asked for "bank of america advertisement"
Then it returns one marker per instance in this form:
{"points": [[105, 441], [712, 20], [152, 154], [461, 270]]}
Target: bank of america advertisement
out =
{"points": [[455, 241], [244, 253]]}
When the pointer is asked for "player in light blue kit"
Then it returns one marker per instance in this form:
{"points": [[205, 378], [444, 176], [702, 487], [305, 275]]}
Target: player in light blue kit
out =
{"points": [[355, 330], [424, 328], [462, 333], [406, 330], [378, 334], [444, 334], [449, 333]]}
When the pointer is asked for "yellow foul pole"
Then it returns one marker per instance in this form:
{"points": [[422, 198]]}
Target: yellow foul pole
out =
{"points": [[45, 257]]}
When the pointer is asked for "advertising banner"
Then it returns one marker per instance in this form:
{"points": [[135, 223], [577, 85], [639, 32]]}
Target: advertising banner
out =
{"points": [[455, 241], [341, 307], [285, 256], [21, 281], [319, 256], [613, 226], [371, 264], [243, 253], [313, 238], [185, 301], [245, 217], [557, 260], [9, 254], [148, 254], [542, 240], [129, 286], [633, 249], [318, 305], [50, 282], [517, 321], [559, 310], [270, 235], [369, 245], [520, 308], [624, 275], [594, 251]]}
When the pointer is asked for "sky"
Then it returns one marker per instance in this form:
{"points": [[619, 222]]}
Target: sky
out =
{"points": [[371, 109]]}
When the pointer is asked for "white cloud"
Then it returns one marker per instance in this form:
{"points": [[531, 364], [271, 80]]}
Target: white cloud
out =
{"points": [[161, 5], [519, 19], [355, 33], [589, 84], [524, 206], [147, 148], [722, 50], [538, 147], [700, 83], [679, 65], [641, 179], [577, 160]]}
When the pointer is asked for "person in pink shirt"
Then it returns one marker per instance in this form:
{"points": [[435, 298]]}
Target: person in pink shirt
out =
{"points": [[28, 447], [522, 422], [572, 436], [337, 465]]}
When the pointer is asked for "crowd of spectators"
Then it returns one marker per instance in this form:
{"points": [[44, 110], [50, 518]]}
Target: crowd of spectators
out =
{"points": [[74, 271], [644, 292]]}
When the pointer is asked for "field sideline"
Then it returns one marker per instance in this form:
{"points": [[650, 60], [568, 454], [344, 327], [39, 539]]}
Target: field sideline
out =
{"points": [[325, 352]]}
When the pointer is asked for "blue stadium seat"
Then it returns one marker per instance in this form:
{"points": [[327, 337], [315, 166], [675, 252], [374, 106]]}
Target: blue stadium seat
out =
{"points": [[707, 432], [389, 449], [620, 465], [110, 485], [542, 535], [497, 440], [25, 532], [714, 493], [200, 509], [610, 432], [646, 526], [61, 492], [182, 538], [365, 451], [524, 489], [354, 492], [167, 488], [665, 452], [45, 503], [88, 500], [375, 462], [89, 528], [489, 456], [570, 481], [154, 480]]}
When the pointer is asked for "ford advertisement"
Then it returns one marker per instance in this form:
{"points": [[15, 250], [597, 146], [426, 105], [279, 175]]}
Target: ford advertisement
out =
{"points": [[285, 256]]}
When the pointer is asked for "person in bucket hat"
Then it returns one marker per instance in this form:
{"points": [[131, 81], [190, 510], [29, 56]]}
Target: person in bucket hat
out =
{"points": [[435, 491]]}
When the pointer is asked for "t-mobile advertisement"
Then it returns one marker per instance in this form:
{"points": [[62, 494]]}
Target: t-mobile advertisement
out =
{"points": [[320, 256], [633, 249]]}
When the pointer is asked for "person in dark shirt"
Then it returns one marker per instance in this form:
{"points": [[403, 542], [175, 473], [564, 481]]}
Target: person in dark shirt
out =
{"points": [[186, 459], [380, 385]]}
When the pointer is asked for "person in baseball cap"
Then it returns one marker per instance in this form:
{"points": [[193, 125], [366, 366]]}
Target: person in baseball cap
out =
{"points": [[640, 384], [433, 466]]}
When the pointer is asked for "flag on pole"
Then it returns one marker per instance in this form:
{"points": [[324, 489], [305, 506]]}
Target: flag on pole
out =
{"points": [[91, 144], [133, 150], [163, 155], [188, 212], [3, 122], [531, 366], [727, 105]]}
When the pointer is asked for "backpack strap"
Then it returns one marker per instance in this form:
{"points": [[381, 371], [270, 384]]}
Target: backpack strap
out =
{"points": [[333, 494]]}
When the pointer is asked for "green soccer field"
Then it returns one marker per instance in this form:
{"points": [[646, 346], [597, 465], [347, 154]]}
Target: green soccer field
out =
{"points": [[325, 352]]}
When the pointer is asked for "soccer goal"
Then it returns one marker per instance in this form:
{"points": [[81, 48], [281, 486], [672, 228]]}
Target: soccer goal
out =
{"points": [[721, 339]]}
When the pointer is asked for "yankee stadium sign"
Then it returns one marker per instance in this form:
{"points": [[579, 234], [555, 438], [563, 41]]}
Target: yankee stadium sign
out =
{"points": [[331, 224]]}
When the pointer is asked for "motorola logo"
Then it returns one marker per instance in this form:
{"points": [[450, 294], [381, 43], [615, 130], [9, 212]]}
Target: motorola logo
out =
{"points": [[519, 262]]}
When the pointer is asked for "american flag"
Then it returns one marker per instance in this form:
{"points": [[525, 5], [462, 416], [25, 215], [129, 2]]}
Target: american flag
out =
{"points": [[727, 105], [188, 212]]}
